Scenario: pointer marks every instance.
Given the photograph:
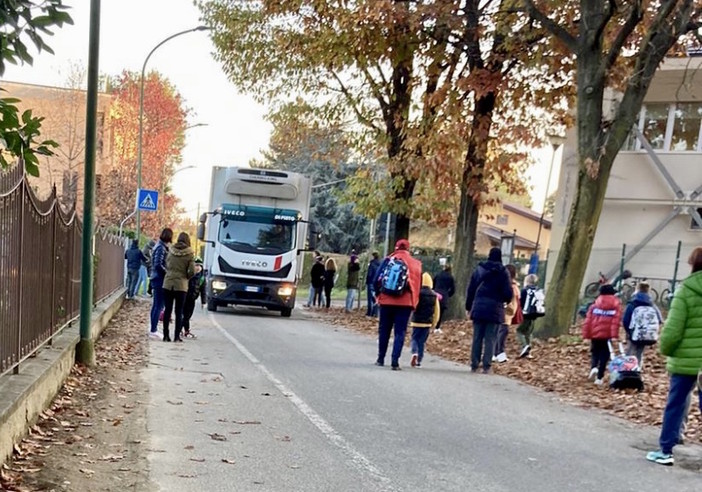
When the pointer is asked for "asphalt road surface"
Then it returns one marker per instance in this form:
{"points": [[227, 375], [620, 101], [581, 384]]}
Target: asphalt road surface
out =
{"points": [[263, 403]]}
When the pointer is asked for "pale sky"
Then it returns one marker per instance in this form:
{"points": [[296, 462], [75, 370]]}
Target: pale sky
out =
{"points": [[236, 131]]}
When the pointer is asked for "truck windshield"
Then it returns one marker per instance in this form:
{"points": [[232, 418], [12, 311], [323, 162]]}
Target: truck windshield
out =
{"points": [[255, 237]]}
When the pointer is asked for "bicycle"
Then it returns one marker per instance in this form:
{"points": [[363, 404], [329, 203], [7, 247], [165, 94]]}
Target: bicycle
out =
{"points": [[592, 289], [666, 297]]}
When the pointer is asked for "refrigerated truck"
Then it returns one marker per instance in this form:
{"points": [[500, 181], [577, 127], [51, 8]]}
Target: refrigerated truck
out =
{"points": [[255, 231]]}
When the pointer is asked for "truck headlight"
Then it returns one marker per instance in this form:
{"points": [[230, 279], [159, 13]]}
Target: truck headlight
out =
{"points": [[286, 291], [219, 285]]}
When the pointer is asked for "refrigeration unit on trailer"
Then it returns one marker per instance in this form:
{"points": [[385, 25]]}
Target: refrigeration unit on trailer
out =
{"points": [[255, 234]]}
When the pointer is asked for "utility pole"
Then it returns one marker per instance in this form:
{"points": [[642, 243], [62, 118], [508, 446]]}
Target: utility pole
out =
{"points": [[85, 351]]}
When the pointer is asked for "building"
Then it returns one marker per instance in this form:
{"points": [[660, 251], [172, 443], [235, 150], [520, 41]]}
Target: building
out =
{"points": [[64, 113], [654, 194]]}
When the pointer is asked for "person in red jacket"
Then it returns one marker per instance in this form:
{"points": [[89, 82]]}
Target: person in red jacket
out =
{"points": [[601, 325], [395, 310]]}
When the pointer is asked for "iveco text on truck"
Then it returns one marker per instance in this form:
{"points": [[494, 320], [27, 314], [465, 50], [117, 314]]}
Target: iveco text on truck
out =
{"points": [[257, 230]]}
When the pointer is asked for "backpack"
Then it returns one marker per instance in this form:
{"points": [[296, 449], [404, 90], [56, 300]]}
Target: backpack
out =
{"points": [[394, 277], [534, 305], [645, 325]]}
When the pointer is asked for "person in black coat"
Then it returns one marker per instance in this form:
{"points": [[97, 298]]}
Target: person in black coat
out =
{"points": [[317, 280], [445, 285], [489, 290]]}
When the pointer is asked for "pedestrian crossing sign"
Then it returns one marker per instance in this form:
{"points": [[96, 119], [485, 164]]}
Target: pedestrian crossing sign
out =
{"points": [[147, 200]]}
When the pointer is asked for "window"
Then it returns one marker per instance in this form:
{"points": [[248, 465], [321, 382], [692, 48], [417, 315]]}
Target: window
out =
{"points": [[693, 225], [686, 127], [256, 237], [655, 123], [502, 219]]}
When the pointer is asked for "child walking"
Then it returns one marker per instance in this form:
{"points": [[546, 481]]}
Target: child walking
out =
{"points": [[513, 316], [425, 318], [642, 321], [601, 326], [196, 288], [526, 327]]}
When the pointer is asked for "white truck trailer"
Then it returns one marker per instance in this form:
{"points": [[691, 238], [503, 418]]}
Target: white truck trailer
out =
{"points": [[257, 232]]}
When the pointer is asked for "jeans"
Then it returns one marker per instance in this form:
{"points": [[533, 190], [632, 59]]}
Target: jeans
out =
{"points": [[501, 339], [169, 296], [132, 279], [524, 331], [599, 356], [141, 282], [310, 298], [483, 344], [397, 317], [317, 300], [680, 388], [157, 306], [350, 298], [419, 339], [372, 309], [636, 349]]}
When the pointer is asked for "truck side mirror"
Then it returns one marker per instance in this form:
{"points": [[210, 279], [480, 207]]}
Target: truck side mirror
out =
{"points": [[201, 231], [313, 237]]}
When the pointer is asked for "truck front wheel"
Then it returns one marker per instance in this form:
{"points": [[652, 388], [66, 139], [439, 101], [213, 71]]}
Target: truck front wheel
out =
{"points": [[286, 312], [212, 306]]}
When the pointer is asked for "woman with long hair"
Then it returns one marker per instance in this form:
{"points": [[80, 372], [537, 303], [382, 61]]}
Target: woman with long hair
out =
{"points": [[329, 279], [180, 266]]}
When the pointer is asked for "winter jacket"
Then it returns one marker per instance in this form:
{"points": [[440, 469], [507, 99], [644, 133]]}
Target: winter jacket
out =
{"points": [[514, 305], [135, 258], [681, 337], [158, 261], [409, 297], [148, 252], [603, 318], [180, 267], [329, 279], [196, 287], [353, 275], [426, 314], [639, 299], [489, 289], [445, 285], [372, 273], [317, 275]]}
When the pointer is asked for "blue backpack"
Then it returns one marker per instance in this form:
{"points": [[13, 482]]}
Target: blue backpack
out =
{"points": [[393, 279]]}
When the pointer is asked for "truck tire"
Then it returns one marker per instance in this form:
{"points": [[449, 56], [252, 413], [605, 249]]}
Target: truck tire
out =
{"points": [[286, 312], [212, 306]]}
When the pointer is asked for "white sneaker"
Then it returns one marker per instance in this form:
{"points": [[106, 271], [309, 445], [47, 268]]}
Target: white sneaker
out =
{"points": [[525, 351], [593, 374], [494, 358], [155, 335], [598, 382], [438, 330], [502, 357]]}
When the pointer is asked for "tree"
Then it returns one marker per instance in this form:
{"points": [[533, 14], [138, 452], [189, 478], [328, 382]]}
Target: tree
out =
{"points": [[22, 19], [618, 48], [550, 205], [164, 136]]}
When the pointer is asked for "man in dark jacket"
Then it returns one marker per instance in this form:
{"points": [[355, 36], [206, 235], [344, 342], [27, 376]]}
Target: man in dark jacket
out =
{"points": [[490, 288], [371, 275], [352, 279], [135, 259], [445, 286]]}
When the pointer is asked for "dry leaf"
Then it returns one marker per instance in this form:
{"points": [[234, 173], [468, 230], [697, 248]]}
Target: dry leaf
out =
{"points": [[228, 461]]}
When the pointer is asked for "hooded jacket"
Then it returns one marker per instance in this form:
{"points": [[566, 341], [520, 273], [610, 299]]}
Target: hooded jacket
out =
{"points": [[317, 275], [489, 289], [445, 285], [603, 318], [180, 267], [353, 275], [158, 261], [148, 252], [135, 258], [639, 299], [372, 272], [409, 297], [681, 337], [426, 314]]}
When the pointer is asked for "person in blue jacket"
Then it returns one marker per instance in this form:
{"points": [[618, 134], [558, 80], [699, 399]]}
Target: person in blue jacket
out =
{"points": [[371, 277], [158, 273], [641, 298], [135, 259]]}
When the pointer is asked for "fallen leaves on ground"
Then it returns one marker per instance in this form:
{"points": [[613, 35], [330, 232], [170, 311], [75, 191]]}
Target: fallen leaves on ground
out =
{"points": [[560, 366]]}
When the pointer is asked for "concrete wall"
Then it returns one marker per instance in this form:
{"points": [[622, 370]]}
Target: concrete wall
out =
{"points": [[27, 394]]}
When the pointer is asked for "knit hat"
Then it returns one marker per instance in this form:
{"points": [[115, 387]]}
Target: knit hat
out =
{"points": [[198, 260], [495, 255], [607, 290], [402, 244]]}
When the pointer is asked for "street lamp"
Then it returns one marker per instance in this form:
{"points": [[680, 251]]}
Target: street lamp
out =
{"points": [[556, 141], [141, 112]]}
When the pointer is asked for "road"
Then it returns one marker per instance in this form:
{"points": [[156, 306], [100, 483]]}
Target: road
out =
{"points": [[263, 403]]}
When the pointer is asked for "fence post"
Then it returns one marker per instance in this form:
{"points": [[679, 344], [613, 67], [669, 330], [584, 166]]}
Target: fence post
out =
{"points": [[675, 271], [23, 195], [53, 272]]}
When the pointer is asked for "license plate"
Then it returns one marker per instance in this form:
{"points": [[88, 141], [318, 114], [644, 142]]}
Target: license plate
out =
{"points": [[252, 288]]}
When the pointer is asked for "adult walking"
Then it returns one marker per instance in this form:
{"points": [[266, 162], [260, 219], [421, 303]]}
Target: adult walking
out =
{"points": [[681, 342], [352, 279], [489, 290], [371, 275], [397, 300], [317, 280], [329, 279], [148, 253], [180, 266], [135, 259], [158, 273], [445, 285]]}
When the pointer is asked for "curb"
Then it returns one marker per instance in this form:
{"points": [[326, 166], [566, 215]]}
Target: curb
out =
{"points": [[27, 394]]}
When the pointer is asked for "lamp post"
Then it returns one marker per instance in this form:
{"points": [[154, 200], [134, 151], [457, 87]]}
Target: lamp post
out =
{"points": [[141, 112], [556, 141]]}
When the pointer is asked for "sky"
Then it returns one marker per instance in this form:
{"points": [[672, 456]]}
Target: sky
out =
{"points": [[235, 130]]}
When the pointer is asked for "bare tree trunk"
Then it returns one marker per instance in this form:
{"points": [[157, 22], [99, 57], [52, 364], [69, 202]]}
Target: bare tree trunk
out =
{"points": [[466, 226]]}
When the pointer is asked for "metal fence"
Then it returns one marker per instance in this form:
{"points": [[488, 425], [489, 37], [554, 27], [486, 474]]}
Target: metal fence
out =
{"points": [[40, 263]]}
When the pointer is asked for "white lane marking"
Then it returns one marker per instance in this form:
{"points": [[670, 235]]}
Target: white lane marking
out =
{"points": [[359, 461]]}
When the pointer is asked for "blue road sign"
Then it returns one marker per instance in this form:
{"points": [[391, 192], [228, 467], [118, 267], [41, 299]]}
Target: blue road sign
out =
{"points": [[147, 200]]}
